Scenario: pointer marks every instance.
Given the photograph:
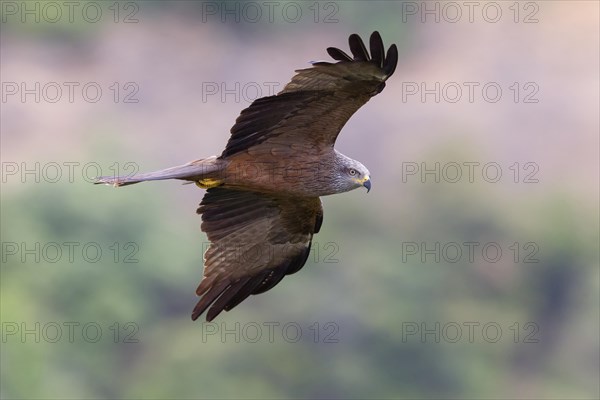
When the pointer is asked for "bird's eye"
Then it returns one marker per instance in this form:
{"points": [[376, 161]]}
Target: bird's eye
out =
{"points": [[352, 171]]}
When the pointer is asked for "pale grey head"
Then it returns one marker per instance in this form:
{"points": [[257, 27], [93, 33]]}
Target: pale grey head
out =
{"points": [[348, 174]]}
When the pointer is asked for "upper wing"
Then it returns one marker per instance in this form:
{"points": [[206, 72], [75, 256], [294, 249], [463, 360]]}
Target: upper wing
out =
{"points": [[312, 109], [256, 239]]}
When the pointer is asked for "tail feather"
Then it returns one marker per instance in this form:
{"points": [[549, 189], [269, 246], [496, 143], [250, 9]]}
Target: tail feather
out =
{"points": [[193, 171]]}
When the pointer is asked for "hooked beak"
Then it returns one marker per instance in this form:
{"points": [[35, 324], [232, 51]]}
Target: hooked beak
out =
{"points": [[367, 184]]}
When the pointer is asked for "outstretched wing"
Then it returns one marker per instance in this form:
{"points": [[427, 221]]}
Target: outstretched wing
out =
{"points": [[312, 109], [256, 239]]}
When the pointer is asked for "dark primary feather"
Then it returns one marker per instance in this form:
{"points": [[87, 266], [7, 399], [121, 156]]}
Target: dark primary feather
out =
{"points": [[312, 108], [248, 289], [235, 220], [227, 296], [359, 51], [208, 298], [338, 54], [377, 49], [391, 60]]}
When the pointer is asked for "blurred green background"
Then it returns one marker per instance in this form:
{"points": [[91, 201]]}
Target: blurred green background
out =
{"points": [[97, 284]]}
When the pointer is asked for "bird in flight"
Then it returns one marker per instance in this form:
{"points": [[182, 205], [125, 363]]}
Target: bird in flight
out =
{"points": [[262, 205]]}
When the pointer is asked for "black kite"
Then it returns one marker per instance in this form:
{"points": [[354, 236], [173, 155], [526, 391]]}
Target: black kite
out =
{"points": [[262, 205]]}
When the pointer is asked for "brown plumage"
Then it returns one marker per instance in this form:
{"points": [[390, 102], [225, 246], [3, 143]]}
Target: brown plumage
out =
{"points": [[262, 205]]}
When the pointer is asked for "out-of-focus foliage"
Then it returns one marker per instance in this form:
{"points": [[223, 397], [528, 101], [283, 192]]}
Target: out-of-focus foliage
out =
{"points": [[363, 293]]}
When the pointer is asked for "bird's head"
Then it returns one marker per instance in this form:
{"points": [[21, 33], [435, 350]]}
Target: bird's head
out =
{"points": [[353, 175]]}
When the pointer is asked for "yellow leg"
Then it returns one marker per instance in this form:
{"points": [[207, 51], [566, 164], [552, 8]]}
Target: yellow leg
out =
{"points": [[208, 183]]}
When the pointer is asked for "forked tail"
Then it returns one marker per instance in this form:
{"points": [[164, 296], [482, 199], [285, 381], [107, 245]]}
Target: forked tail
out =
{"points": [[193, 171]]}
